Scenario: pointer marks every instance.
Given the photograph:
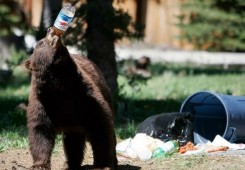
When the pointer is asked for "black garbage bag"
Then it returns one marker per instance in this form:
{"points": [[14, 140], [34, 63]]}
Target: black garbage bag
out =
{"points": [[169, 126]]}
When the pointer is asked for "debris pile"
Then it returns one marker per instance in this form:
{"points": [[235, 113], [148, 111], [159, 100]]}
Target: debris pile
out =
{"points": [[145, 147], [204, 117]]}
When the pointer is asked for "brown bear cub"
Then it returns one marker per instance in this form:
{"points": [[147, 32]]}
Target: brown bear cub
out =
{"points": [[68, 95]]}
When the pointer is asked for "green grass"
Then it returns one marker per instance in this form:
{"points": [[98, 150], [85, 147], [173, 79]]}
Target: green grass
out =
{"points": [[13, 130], [163, 92], [170, 86], [13, 137]]}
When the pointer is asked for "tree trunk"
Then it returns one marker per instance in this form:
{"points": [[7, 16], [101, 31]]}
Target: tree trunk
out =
{"points": [[100, 41]]}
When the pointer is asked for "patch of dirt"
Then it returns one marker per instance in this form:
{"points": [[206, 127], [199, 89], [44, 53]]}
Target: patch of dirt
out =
{"points": [[20, 159]]}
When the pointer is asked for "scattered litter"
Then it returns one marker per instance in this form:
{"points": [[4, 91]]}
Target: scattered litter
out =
{"points": [[165, 149], [145, 147], [124, 149], [217, 148], [218, 144], [188, 147], [220, 141]]}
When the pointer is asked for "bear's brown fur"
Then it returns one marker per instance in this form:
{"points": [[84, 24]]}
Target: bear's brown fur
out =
{"points": [[68, 95]]}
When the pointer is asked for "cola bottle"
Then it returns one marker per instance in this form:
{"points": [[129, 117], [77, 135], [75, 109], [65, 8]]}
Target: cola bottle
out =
{"points": [[64, 19]]}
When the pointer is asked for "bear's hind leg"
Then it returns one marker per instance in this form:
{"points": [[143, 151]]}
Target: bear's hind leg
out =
{"points": [[74, 144], [103, 142]]}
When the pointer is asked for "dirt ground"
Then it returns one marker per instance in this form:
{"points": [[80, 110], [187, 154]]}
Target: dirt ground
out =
{"points": [[20, 159]]}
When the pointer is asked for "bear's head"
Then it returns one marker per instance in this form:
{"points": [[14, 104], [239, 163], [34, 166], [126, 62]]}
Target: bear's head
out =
{"points": [[48, 52]]}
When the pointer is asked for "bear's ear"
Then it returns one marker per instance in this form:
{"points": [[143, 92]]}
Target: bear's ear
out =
{"points": [[28, 64]]}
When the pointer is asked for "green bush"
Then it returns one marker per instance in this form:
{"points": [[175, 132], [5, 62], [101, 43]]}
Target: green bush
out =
{"points": [[9, 17], [214, 25]]}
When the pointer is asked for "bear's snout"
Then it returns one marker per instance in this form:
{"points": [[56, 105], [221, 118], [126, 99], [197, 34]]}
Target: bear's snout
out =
{"points": [[53, 39]]}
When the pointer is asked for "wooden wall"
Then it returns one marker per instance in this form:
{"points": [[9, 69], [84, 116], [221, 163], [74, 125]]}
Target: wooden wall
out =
{"points": [[160, 20]]}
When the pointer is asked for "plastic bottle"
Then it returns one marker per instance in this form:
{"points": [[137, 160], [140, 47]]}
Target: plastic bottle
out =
{"points": [[165, 149], [64, 18]]}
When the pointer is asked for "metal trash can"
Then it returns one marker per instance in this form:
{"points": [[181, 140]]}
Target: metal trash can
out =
{"points": [[216, 114]]}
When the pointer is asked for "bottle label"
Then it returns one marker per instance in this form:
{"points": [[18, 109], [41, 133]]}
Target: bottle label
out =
{"points": [[62, 21]]}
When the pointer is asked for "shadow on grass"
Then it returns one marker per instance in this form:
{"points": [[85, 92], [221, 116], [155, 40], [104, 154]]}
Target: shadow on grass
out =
{"points": [[12, 117], [134, 112], [128, 111], [12, 120], [138, 110]]}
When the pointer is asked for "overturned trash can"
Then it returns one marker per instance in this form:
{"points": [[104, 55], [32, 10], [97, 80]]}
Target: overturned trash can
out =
{"points": [[216, 114]]}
